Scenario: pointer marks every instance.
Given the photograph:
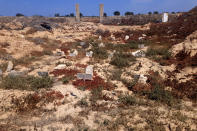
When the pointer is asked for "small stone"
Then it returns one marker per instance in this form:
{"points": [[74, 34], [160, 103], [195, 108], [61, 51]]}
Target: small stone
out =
{"points": [[82, 43], [141, 46], [10, 66], [101, 45], [100, 37], [74, 53], [140, 38], [58, 52], [142, 79], [126, 37], [89, 54], [43, 74], [139, 53], [113, 37]]}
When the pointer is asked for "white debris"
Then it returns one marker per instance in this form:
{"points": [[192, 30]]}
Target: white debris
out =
{"points": [[58, 52], [74, 53], [113, 37], [141, 46], [100, 37], [142, 79], [138, 53], [101, 45], [61, 66], [111, 54], [140, 38], [82, 43], [144, 35], [89, 54], [127, 37]]}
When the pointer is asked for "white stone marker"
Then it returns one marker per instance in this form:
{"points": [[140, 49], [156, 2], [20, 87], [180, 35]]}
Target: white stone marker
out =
{"points": [[89, 70], [165, 17]]}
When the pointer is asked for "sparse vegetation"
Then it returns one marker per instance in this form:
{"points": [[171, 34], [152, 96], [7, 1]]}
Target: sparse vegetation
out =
{"points": [[26, 82], [121, 60], [66, 79], [96, 94], [25, 60], [161, 95], [128, 100], [164, 52], [31, 102], [99, 52], [83, 102], [3, 66]]}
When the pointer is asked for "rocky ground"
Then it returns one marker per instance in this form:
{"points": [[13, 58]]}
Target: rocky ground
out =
{"points": [[141, 79]]}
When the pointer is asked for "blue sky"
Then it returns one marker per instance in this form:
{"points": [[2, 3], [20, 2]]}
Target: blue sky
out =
{"points": [[91, 7]]}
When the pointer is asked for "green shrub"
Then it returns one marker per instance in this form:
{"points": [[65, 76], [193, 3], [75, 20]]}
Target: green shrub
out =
{"points": [[96, 94], [122, 60], [83, 102], [116, 75], [3, 66], [25, 60], [127, 100], [26, 83], [159, 94], [100, 53], [163, 52], [66, 79]]}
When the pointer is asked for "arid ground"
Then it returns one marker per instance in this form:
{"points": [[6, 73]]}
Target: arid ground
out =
{"points": [[144, 77]]}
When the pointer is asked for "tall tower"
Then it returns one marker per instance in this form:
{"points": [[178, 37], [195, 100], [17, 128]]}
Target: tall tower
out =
{"points": [[77, 13], [101, 12]]}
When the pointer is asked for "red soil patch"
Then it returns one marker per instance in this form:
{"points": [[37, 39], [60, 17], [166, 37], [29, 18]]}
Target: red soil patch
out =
{"points": [[36, 100], [81, 65], [95, 83], [65, 72], [186, 89], [65, 50], [141, 88]]}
